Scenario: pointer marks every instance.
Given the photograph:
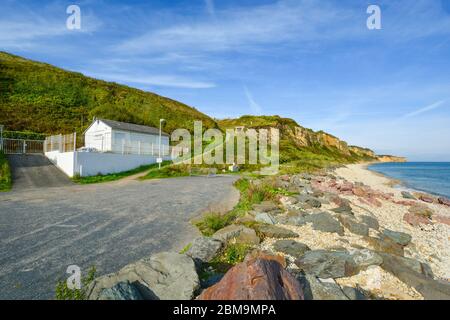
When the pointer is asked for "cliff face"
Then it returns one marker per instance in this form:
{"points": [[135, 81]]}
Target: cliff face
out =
{"points": [[364, 152], [388, 158]]}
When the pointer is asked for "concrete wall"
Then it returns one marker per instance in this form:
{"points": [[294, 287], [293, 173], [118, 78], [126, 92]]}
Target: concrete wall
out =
{"points": [[92, 163]]}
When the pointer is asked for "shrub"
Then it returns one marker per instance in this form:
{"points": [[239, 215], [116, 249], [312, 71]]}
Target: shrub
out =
{"points": [[5, 174], [62, 291]]}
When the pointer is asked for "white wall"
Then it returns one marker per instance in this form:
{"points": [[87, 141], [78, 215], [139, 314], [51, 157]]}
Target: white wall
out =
{"points": [[93, 163], [98, 136]]}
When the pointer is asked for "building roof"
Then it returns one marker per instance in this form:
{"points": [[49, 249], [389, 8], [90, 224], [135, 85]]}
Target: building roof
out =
{"points": [[132, 127]]}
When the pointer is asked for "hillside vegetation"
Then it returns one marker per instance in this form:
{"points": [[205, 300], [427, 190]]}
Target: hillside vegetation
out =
{"points": [[42, 98]]}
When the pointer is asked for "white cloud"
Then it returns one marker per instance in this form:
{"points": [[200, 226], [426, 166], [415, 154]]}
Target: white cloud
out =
{"points": [[154, 80], [424, 109], [254, 106]]}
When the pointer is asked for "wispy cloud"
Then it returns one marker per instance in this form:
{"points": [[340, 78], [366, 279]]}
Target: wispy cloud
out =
{"points": [[154, 80], [424, 109], [210, 8], [254, 106]]}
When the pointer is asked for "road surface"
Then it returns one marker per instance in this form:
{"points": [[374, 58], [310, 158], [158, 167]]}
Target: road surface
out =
{"points": [[44, 230]]}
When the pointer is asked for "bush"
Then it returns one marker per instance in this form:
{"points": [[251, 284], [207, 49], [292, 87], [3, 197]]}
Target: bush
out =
{"points": [[5, 174], [234, 253], [62, 292]]}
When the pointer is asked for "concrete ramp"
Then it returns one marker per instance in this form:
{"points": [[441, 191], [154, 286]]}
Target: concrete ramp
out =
{"points": [[31, 171]]}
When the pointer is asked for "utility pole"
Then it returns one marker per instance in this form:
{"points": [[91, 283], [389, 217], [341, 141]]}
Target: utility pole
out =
{"points": [[1, 137], [159, 158]]}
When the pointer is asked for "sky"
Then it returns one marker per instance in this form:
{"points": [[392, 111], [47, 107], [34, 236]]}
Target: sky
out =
{"points": [[313, 61]]}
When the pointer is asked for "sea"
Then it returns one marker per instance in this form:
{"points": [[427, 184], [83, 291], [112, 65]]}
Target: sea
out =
{"points": [[430, 177]]}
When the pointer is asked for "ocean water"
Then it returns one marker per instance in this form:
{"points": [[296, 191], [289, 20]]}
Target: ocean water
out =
{"points": [[431, 177]]}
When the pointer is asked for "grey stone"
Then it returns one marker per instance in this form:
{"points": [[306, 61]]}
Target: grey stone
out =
{"points": [[121, 291], [291, 247], [309, 200], [240, 233], [204, 249], [408, 195], [317, 289], [429, 288], [364, 258], [325, 222], [343, 209], [265, 217], [354, 293], [371, 222], [276, 232], [401, 238], [327, 264], [163, 276], [265, 206], [353, 225]]}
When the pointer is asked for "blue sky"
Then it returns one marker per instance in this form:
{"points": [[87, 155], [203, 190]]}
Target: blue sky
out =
{"points": [[314, 61]]}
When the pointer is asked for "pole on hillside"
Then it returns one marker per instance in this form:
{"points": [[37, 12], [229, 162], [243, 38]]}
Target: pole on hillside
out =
{"points": [[159, 157]]}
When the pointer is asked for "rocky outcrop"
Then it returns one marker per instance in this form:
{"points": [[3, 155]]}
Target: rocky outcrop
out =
{"points": [[239, 233], [389, 158], [255, 279], [163, 276], [204, 249]]}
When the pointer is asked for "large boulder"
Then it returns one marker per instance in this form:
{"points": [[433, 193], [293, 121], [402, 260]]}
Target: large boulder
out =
{"points": [[385, 245], [255, 279], [325, 222], [310, 201], [415, 220], [429, 288], [204, 249], [327, 264], [421, 210], [365, 258], [163, 276], [401, 238], [270, 231], [320, 289], [291, 247], [239, 233], [353, 225], [121, 291]]}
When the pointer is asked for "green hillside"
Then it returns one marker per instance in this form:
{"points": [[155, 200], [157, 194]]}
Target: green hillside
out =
{"points": [[42, 98]]}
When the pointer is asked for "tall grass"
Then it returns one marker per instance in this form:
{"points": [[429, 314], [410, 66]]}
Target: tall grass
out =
{"points": [[5, 174]]}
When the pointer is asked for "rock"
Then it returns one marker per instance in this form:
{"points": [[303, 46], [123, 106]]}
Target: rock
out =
{"points": [[265, 206], [265, 218], [325, 222], [442, 219], [359, 192], [354, 294], [317, 289], [245, 218], [211, 280], [240, 233], [353, 225], [344, 209], [429, 288], [341, 202], [276, 232], [426, 198], [365, 258], [163, 276], [371, 222], [444, 201], [310, 200], [291, 247], [255, 279], [421, 210], [385, 245], [401, 238], [415, 220], [327, 264], [204, 249], [285, 200], [407, 195], [261, 254], [120, 291]]}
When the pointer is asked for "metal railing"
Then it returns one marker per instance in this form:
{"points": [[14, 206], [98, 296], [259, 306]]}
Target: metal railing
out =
{"points": [[61, 143], [22, 146]]}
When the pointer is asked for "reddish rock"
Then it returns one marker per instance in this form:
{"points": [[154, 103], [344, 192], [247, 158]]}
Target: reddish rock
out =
{"points": [[360, 192], [346, 186], [442, 219], [444, 201], [415, 220], [285, 178], [267, 256], [426, 199], [404, 202], [255, 279]]}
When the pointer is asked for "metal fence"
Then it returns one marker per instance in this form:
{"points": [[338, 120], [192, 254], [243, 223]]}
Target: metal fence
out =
{"points": [[61, 143], [21, 146]]}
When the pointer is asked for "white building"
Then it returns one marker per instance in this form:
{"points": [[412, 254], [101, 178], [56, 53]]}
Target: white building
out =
{"points": [[125, 138]]}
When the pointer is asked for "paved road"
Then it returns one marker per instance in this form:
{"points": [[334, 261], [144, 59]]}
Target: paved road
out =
{"points": [[31, 171], [42, 231]]}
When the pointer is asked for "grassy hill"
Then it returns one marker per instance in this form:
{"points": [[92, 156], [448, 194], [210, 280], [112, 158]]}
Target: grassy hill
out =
{"points": [[42, 98]]}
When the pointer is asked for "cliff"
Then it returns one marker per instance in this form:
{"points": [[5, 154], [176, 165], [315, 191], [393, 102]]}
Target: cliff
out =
{"points": [[389, 158]]}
